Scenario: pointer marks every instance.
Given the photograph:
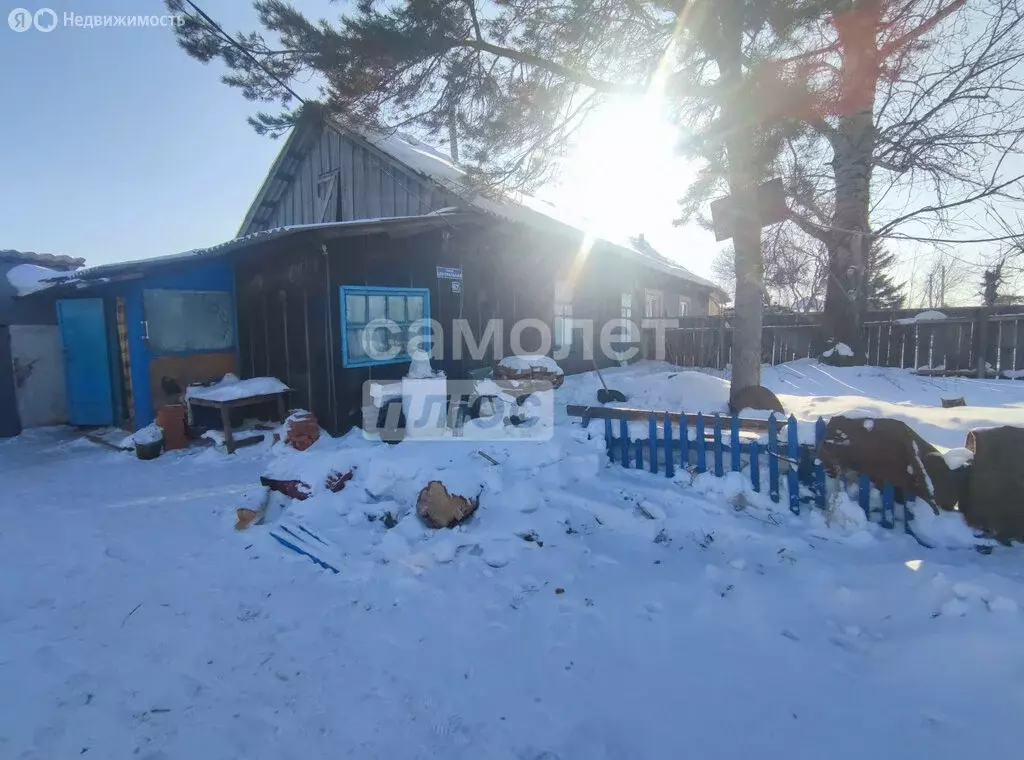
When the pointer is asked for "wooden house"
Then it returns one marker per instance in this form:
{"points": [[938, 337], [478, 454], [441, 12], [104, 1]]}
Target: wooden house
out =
{"points": [[387, 220], [348, 227]]}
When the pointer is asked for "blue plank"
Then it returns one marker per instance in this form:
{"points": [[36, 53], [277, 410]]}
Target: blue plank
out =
{"points": [[819, 468], [864, 494], [888, 503], [734, 442], [793, 453], [684, 443], [755, 467], [702, 449], [639, 454], [624, 442], [297, 548], [718, 445], [908, 514], [773, 458], [670, 468], [653, 448], [609, 440]]}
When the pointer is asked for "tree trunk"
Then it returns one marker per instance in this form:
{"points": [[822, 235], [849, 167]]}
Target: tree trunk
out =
{"points": [[850, 240], [749, 309], [853, 146]]}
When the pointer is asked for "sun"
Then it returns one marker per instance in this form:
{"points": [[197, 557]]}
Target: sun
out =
{"points": [[623, 173]]}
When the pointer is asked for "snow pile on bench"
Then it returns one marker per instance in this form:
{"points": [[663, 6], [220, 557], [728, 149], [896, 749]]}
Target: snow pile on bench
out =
{"points": [[230, 388]]}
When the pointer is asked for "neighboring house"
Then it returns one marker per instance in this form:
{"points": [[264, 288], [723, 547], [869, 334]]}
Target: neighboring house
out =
{"points": [[31, 367]]}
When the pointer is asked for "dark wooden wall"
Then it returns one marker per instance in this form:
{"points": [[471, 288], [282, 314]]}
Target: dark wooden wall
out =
{"points": [[289, 311]]}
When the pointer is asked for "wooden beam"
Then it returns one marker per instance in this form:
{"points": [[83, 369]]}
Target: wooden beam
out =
{"points": [[642, 415]]}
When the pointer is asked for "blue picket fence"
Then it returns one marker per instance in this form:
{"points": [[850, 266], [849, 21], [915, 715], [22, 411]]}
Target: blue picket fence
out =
{"points": [[787, 460]]}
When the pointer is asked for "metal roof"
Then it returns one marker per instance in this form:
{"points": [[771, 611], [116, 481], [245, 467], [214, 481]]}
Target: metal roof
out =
{"points": [[91, 276]]}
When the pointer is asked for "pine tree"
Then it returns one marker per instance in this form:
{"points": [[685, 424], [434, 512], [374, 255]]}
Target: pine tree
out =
{"points": [[883, 292]]}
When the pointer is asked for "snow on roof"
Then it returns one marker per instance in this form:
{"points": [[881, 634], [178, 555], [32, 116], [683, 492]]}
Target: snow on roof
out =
{"points": [[29, 278]]}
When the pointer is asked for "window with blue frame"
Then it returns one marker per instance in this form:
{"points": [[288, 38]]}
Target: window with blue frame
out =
{"points": [[379, 324]]}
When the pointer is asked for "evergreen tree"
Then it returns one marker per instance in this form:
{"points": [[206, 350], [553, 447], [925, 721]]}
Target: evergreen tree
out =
{"points": [[883, 292]]}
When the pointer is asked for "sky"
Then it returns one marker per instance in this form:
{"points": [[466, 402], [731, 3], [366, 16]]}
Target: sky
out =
{"points": [[117, 145]]}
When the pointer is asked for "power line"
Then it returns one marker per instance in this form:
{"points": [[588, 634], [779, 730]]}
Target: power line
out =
{"points": [[329, 122]]}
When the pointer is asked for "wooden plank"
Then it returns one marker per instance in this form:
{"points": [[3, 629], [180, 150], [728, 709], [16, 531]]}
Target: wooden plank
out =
{"points": [[642, 415]]}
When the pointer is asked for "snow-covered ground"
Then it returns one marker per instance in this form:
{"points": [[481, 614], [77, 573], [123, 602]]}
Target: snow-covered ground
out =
{"points": [[585, 611], [810, 390]]}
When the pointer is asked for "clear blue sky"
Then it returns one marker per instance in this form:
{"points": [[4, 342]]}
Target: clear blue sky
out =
{"points": [[115, 143]]}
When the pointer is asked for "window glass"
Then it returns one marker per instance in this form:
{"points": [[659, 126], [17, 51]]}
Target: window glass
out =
{"points": [[189, 320], [366, 343], [414, 305], [378, 307], [396, 308], [355, 308]]}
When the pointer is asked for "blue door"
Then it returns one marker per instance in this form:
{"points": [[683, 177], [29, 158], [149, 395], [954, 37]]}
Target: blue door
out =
{"points": [[83, 331]]}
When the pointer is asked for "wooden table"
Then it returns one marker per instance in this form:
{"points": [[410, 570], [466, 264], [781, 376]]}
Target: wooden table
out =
{"points": [[226, 407]]}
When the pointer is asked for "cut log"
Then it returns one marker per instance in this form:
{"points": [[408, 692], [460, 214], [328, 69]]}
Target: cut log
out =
{"points": [[440, 509]]}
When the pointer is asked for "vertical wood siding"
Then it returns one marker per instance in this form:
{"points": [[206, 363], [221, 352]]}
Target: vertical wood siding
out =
{"points": [[367, 186]]}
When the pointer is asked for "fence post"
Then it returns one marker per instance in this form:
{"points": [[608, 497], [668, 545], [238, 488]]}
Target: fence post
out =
{"points": [[794, 461], [653, 448], [773, 458], [734, 444], [684, 442], [908, 513], [669, 464], [819, 468], [755, 467], [888, 504], [702, 450], [864, 495], [608, 439], [624, 441], [639, 454], [718, 445]]}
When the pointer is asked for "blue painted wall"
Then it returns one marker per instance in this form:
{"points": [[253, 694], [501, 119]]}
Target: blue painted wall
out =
{"points": [[207, 275], [212, 274]]}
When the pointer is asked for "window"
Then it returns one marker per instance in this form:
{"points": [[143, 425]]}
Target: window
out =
{"points": [[627, 305], [380, 325], [563, 314], [324, 190], [653, 304], [684, 306], [183, 321]]}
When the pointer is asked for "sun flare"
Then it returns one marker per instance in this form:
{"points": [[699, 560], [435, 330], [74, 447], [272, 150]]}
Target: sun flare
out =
{"points": [[623, 173]]}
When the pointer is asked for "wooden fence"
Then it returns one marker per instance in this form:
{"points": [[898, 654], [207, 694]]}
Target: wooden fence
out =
{"points": [[718, 445], [951, 345]]}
